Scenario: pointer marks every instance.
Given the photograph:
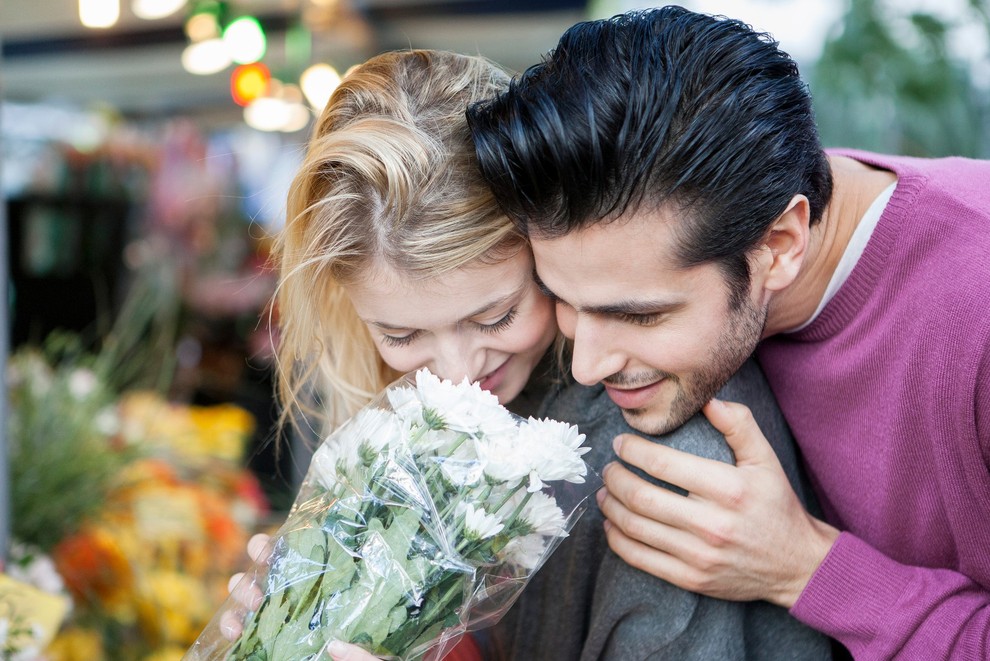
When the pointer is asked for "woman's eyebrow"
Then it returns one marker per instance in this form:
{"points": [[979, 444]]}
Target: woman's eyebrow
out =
{"points": [[502, 300], [494, 304]]}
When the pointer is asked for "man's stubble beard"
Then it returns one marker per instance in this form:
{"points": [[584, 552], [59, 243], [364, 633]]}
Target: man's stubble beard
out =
{"points": [[734, 346]]}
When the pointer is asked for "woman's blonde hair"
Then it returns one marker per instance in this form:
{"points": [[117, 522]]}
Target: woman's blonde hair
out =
{"points": [[390, 175]]}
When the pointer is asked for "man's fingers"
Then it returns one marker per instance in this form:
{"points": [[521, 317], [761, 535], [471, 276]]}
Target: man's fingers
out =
{"points": [[641, 497], [648, 559], [740, 429], [690, 472], [649, 530]]}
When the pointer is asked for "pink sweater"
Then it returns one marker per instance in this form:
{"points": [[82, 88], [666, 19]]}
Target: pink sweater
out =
{"points": [[888, 395]]}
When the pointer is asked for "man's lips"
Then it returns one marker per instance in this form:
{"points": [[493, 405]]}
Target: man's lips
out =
{"points": [[633, 398]]}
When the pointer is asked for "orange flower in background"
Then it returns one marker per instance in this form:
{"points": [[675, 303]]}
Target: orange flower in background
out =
{"points": [[95, 569]]}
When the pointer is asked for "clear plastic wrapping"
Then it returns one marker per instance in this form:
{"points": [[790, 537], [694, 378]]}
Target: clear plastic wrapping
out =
{"points": [[421, 518]]}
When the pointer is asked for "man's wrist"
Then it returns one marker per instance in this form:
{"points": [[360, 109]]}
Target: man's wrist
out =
{"points": [[819, 543]]}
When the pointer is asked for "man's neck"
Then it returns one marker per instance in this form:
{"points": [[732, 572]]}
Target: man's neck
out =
{"points": [[855, 187]]}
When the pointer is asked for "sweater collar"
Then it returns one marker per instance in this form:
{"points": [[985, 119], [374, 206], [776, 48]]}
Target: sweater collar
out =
{"points": [[862, 281]]}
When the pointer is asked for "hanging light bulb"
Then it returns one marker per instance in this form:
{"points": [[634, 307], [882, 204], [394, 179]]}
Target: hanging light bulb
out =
{"points": [[318, 82], [281, 110], [154, 9], [205, 57], [245, 40], [99, 13]]}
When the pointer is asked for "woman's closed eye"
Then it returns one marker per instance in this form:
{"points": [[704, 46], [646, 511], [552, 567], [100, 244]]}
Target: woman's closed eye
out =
{"points": [[502, 323], [496, 326], [400, 340]]}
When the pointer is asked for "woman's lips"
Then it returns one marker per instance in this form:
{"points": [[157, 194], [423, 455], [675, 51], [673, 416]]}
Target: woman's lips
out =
{"points": [[633, 398], [494, 379]]}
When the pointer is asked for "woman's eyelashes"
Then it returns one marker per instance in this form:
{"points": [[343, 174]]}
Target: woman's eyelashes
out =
{"points": [[400, 341], [502, 323], [494, 327]]}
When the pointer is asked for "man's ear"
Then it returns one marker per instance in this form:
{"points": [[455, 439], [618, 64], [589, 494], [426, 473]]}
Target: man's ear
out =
{"points": [[785, 245]]}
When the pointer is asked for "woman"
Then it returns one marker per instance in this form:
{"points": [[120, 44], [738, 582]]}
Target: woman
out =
{"points": [[395, 256]]}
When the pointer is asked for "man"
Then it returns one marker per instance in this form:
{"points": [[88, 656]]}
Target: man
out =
{"points": [[668, 170]]}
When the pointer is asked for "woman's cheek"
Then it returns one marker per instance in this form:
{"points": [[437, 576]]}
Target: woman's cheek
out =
{"points": [[401, 359]]}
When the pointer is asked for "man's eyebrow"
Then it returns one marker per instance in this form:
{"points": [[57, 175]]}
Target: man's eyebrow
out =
{"points": [[619, 308]]}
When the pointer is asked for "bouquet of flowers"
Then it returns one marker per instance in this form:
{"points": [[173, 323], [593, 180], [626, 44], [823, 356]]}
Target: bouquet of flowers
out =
{"points": [[420, 518]]}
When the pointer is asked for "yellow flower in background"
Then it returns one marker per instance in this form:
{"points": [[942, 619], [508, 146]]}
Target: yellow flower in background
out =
{"points": [[193, 433], [223, 430], [76, 644], [173, 607], [168, 653]]}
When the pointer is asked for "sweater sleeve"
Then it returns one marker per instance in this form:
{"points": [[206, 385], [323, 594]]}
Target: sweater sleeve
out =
{"points": [[881, 609]]}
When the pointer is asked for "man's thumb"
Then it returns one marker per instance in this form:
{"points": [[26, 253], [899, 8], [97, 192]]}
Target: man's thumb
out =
{"points": [[741, 432]]}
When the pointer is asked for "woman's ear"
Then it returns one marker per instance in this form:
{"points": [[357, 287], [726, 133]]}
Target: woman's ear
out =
{"points": [[785, 246]]}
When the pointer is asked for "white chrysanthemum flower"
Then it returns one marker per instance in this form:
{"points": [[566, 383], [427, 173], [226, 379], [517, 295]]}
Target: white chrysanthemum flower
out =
{"points": [[554, 450], [362, 438], [406, 404], [323, 467], [375, 429], [464, 407], [557, 432], [479, 524], [543, 451], [463, 467], [543, 515], [442, 441], [524, 552], [504, 462]]}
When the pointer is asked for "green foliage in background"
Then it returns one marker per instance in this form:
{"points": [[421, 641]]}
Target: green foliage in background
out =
{"points": [[65, 451], [887, 81]]}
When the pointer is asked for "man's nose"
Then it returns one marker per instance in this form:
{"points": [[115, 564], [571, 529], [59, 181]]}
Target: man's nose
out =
{"points": [[596, 355]]}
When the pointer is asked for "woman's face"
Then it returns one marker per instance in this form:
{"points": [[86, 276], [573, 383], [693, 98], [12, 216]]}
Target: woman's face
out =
{"points": [[486, 322]]}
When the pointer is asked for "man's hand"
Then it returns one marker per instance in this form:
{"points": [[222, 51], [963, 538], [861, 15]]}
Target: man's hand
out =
{"points": [[740, 534]]}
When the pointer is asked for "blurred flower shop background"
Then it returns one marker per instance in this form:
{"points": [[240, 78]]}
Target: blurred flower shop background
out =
{"points": [[147, 147]]}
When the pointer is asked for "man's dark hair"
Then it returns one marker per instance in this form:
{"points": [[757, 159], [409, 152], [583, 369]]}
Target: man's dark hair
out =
{"points": [[663, 107]]}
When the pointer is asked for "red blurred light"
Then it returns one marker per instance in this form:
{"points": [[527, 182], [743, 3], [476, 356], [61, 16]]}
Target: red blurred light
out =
{"points": [[248, 82]]}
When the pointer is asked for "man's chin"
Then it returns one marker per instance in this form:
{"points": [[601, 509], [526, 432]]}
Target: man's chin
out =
{"points": [[654, 423]]}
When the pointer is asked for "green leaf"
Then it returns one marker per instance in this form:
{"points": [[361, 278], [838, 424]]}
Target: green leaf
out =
{"points": [[271, 620]]}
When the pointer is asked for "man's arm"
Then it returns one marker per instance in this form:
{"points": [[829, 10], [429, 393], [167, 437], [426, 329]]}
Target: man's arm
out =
{"points": [[741, 533]]}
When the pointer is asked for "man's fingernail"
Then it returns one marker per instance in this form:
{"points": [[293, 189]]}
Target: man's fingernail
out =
{"points": [[617, 444], [600, 496]]}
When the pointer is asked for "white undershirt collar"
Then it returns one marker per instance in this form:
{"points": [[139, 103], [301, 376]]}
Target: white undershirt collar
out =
{"points": [[854, 250]]}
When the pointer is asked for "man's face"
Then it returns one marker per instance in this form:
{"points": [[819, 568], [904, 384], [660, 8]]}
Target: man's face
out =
{"points": [[662, 339]]}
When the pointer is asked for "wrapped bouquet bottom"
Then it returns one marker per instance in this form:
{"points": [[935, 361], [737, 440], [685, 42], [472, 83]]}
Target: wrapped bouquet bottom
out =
{"points": [[421, 518]]}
